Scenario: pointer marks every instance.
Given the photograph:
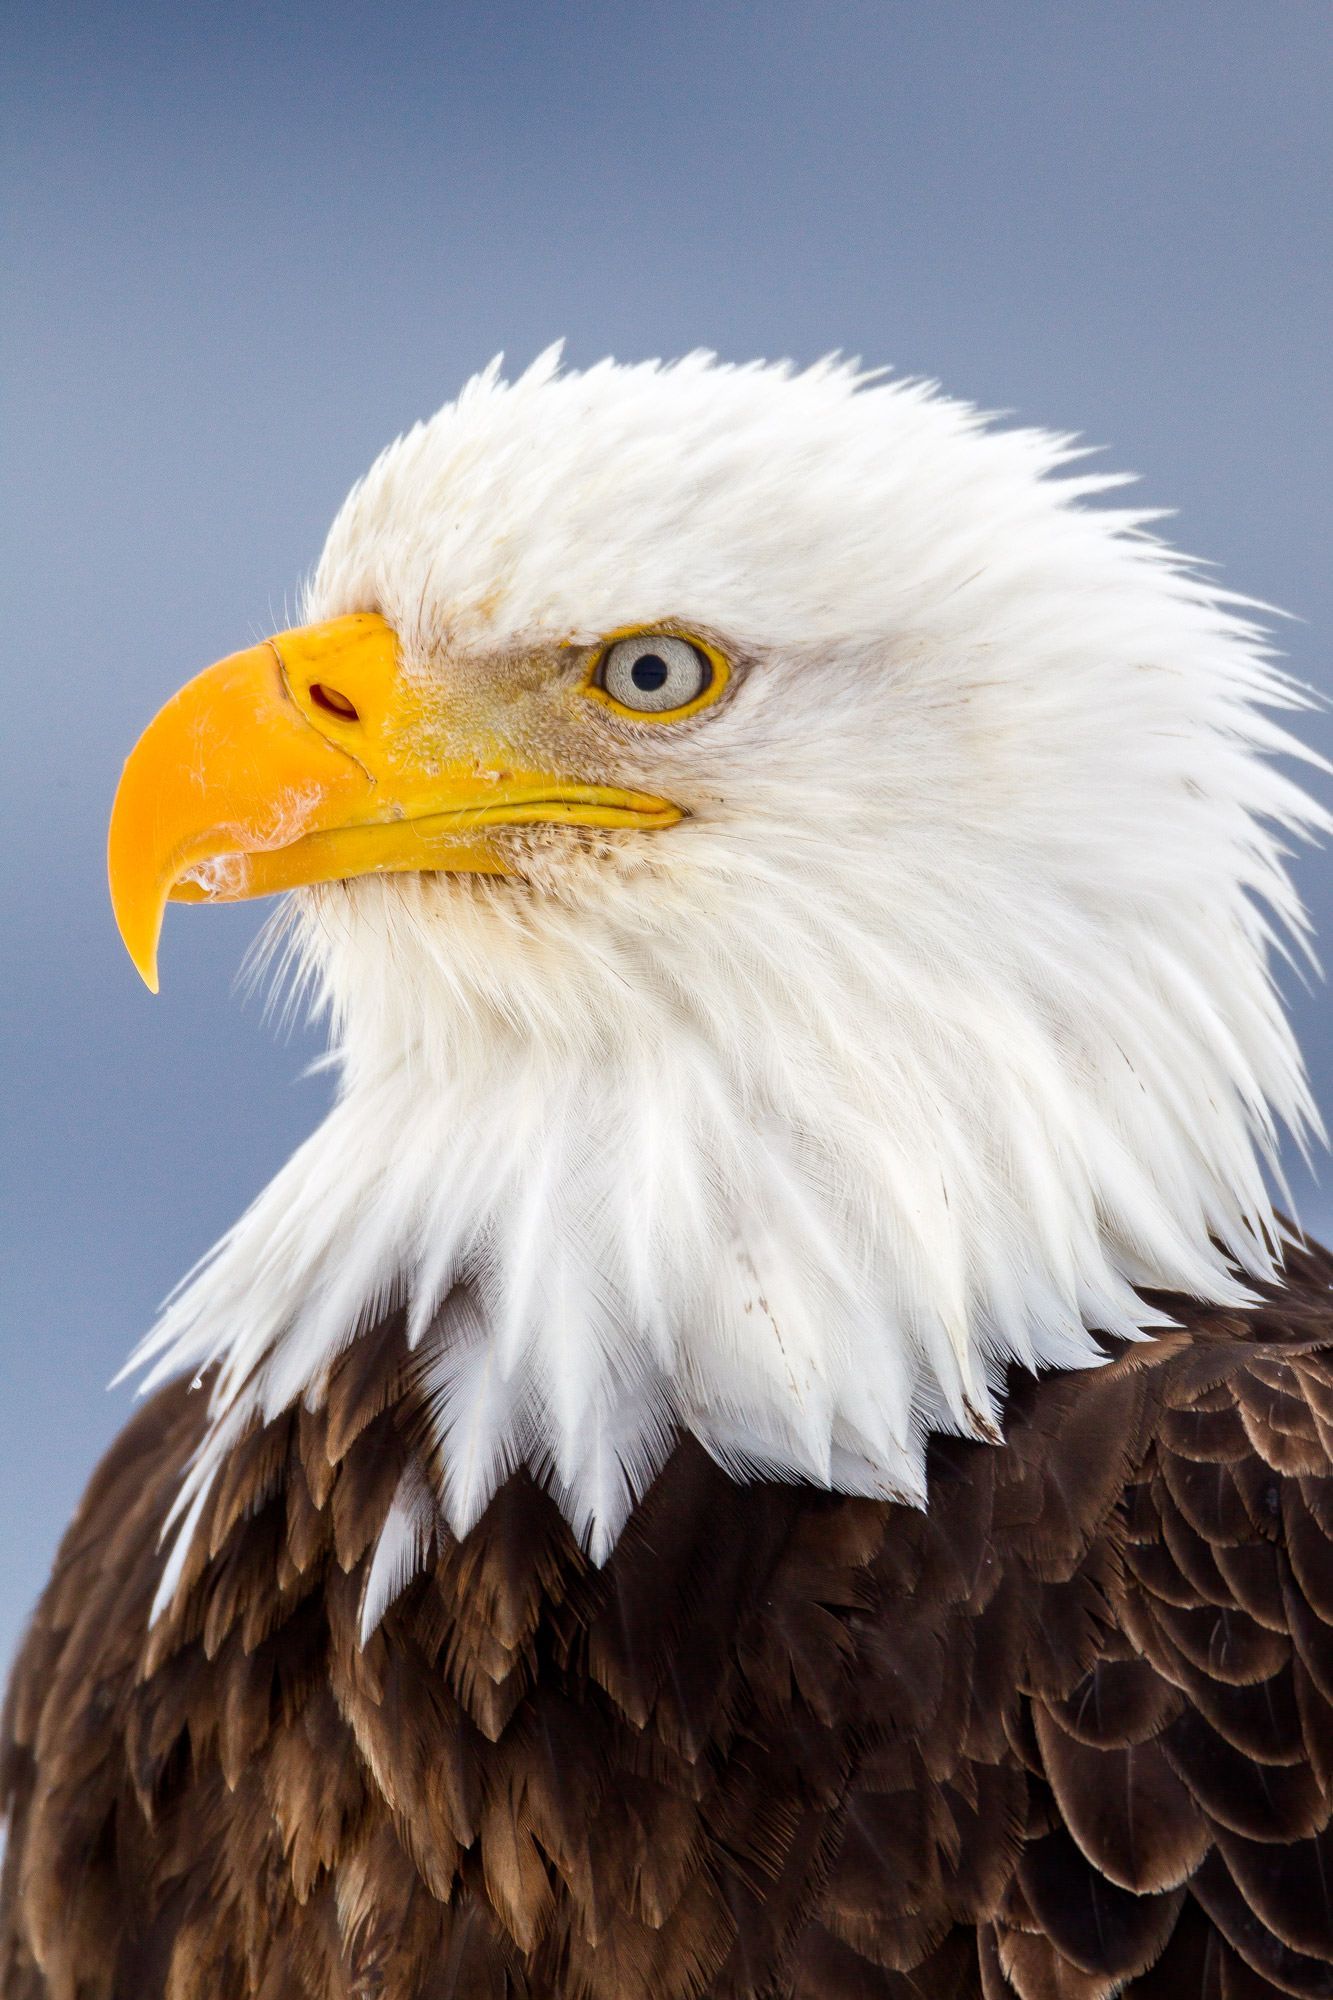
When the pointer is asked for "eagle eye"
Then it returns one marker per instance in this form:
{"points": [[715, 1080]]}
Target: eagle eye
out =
{"points": [[661, 675]]}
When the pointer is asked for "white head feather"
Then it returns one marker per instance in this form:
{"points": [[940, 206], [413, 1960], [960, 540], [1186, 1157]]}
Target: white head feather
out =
{"points": [[940, 1028]]}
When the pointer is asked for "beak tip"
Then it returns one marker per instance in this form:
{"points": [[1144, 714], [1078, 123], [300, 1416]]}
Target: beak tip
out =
{"points": [[137, 909], [144, 958], [144, 963], [140, 949]]}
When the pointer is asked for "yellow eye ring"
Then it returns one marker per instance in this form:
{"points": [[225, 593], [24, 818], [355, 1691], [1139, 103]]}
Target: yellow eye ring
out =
{"points": [[665, 650]]}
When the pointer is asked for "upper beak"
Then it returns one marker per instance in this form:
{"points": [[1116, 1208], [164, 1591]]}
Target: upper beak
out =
{"points": [[312, 758]]}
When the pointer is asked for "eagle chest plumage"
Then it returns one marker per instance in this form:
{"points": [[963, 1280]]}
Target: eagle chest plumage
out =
{"points": [[1064, 1733]]}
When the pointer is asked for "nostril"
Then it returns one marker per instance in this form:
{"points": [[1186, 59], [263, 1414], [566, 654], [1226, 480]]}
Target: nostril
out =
{"points": [[332, 702]]}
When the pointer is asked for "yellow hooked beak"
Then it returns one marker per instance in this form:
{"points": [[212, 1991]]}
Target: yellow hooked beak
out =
{"points": [[312, 758]]}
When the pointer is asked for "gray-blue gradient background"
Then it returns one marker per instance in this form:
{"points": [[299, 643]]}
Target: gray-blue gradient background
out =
{"points": [[249, 245]]}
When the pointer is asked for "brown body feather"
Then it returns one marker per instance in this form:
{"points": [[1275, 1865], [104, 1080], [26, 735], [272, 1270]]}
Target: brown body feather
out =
{"points": [[1067, 1734]]}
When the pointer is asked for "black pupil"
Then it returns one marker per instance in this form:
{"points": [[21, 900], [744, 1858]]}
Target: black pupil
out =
{"points": [[649, 673]]}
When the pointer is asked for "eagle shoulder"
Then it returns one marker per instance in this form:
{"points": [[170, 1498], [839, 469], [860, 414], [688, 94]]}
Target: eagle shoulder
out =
{"points": [[1068, 1732]]}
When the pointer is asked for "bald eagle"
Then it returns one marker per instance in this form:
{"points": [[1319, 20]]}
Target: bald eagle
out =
{"points": [[773, 1443]]}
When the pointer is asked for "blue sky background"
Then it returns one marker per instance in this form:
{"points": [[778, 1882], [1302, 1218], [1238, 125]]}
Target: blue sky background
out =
{"points": [[247, 246]]}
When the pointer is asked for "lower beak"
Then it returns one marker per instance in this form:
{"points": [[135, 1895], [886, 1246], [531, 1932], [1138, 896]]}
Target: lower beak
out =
{"points": [[308, 759]]}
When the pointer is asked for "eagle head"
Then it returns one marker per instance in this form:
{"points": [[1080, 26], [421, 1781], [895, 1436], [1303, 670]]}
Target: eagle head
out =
{"points": [[791, 868]]}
